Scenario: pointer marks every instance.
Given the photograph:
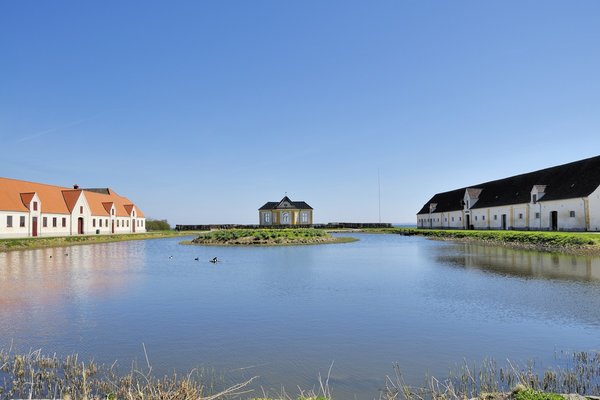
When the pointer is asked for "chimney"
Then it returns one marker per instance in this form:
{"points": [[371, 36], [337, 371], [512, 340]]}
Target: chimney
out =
{"points": [[75, 186]]}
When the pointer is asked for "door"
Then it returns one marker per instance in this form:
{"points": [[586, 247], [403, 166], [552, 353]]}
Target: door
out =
{"points": [[113, 226], [503, 222], [34, 226], [134, 221], [554, 220], [80, 226], [468, 221]]}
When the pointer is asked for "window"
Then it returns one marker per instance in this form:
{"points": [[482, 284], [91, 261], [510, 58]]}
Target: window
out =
{"points": [[9, 221], [35, 206], [45, 222], [445, 219], [520, 216], [64, 222], [94, 222], [100, 222], [112, 211], [483, 217], [128, 223], [459, 219], [142, 222], [452, 219], [107, 222], [54, 222], [572, 214], [133, 214], [495, 218], [80, 209], [117, 223], [22, 221], [267, 217], [304, 217], [537, 215], [476, 218], [534, 198]]}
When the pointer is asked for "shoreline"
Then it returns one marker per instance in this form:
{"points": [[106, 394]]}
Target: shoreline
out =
{"points": [[575, 243], [267, 237], [15, 244]]}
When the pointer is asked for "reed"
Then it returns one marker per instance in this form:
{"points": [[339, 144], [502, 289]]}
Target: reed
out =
{"points": [[34, 375]]}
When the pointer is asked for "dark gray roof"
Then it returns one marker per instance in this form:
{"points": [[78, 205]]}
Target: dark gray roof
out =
{"points": [[273, 205], [576, 179]]}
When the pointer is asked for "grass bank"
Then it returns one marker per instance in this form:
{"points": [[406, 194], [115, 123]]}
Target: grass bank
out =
{"points": [[34, 375], [44, 242], [267, 237], [570, 242]]}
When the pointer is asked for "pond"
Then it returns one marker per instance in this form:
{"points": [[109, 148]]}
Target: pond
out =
{"points": [[286, 314]]}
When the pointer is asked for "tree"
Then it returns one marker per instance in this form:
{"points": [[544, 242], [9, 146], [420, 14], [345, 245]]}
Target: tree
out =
{"points": [[157, 225]]}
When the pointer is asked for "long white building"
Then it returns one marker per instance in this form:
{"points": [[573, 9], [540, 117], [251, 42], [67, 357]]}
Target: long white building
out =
{"points": [[561, 198], [30, 209]]}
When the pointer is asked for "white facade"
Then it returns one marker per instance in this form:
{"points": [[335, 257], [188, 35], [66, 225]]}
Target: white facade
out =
{"points": [[38, 210]]}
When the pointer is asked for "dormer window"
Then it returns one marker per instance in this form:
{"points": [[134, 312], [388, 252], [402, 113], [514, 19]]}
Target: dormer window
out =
{"points": [[35, 206], [537, 192]]}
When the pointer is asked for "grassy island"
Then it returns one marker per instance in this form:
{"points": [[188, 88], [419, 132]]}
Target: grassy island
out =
{"points": [[268, 237], [563, 242]]}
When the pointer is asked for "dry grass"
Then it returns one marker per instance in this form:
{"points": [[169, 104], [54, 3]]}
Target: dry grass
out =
{"points": [[35, 376]]}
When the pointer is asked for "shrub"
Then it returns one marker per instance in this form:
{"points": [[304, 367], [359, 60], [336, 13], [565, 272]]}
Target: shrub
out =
{"points": [[157, 225]]}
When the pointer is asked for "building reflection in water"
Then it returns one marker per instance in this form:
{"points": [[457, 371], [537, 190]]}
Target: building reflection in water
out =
{"points": [[32, 280], [524, 263]]}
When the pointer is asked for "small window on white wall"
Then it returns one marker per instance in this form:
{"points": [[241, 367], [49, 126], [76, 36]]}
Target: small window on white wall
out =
{"points": [[572, 214], [267, 217]]}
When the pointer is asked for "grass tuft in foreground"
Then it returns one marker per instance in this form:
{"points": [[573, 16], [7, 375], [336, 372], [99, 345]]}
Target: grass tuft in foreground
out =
{"points": [[34, 375]]}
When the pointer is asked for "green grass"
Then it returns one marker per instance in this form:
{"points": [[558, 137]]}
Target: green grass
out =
{"points": [[44, 242], [530, 394], [543, 240], [267, 237]]}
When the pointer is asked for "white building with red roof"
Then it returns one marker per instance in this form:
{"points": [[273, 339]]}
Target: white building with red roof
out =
{"points": [[29, 209]]}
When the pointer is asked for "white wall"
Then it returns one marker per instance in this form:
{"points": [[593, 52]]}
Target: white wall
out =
{"points": [[563, 207], [16, 230], [594, 210]]}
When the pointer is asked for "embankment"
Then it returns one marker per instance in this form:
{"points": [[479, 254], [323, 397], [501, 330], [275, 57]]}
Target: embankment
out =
{"points": [[563, 242]]}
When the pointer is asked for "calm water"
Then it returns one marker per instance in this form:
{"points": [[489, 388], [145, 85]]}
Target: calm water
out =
{"points": [[287, 313]]}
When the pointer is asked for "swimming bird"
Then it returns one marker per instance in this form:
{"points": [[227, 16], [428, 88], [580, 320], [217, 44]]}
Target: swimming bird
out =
{"points": [[214, 260], [170, 257], [196, 258]]}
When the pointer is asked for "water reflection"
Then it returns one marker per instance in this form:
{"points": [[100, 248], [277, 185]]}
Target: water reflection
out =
{"points": [[523, 263], [285, 313], [49, 277]]}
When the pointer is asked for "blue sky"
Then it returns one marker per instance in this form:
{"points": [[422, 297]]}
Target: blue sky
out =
{"points": [[202, 111]]}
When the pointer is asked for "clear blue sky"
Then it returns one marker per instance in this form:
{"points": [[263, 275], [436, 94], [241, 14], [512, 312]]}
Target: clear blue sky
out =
{"points": [[202, 111]]}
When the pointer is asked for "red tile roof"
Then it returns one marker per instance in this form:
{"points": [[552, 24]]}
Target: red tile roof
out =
{"points": [[15, 195]]}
